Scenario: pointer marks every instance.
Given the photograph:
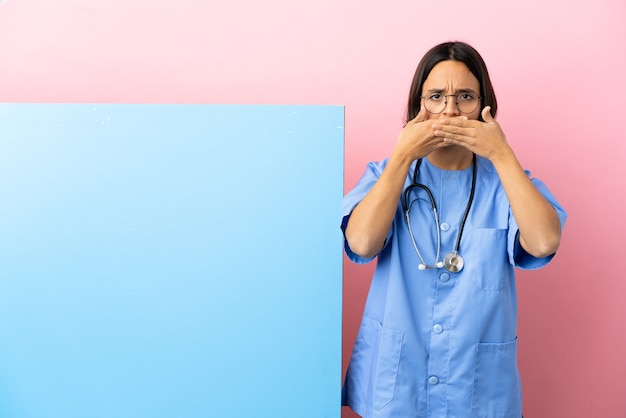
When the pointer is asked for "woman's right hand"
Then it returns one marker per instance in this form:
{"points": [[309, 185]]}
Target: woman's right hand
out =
{"points": [[417, 139]]}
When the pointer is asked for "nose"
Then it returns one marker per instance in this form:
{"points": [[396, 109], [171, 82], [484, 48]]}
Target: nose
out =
{"points": [[451, 109]]}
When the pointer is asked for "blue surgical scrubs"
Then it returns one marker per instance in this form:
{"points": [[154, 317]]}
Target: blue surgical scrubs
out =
{"points": [[434, 343]]}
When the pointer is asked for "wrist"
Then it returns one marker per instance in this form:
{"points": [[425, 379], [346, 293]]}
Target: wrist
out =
{"points": [[503, 156], [400, 160]]}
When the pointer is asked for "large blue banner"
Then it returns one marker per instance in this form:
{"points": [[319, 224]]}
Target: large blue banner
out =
{"points": [[170, 260]]}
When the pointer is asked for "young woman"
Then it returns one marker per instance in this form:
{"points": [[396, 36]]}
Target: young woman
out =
{"points": [[448, 216]]}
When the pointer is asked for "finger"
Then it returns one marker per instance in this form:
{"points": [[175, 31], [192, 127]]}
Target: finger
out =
{"points": [[486, 114], [460, 121]]}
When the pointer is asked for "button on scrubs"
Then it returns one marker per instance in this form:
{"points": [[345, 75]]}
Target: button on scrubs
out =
{"points": [[433, 343]]}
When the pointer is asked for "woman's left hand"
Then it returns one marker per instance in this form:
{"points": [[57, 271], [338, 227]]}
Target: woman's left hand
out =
{"points": [[482, 138]]}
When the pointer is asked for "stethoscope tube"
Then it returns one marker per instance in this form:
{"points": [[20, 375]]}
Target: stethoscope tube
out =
{"points": [[423, 265], [453, 261]]}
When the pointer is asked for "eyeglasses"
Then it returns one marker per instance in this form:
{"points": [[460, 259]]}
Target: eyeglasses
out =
{"points": [[466, 102]]}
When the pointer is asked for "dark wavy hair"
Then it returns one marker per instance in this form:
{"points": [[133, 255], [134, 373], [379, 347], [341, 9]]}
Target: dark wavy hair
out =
{"points": [[455, 51]]}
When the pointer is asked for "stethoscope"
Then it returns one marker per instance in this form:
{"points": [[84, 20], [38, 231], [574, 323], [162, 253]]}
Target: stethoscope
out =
{"points": [[453, 262]]}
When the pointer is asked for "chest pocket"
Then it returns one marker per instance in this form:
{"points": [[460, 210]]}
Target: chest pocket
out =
{"points": [[486, 258]]}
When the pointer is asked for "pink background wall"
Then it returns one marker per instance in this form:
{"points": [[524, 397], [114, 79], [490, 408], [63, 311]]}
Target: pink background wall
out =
{"points": [[558, 71]]}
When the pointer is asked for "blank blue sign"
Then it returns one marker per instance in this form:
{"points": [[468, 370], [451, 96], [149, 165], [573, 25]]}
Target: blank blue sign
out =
{"points": [[170, 260]]}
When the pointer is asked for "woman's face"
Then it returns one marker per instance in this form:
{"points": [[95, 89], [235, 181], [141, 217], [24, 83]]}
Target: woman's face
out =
{"points": [[451, 77]]}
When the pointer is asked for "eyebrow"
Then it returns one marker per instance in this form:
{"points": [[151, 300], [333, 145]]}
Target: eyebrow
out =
{"points": [[456, 92]]}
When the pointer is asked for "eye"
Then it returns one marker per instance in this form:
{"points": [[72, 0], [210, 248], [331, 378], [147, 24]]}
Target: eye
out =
{"points": [[466, 97], [435, 97]]}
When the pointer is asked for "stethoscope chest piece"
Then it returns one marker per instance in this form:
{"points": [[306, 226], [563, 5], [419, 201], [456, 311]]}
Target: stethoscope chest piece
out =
{"points": [[453, 262]]}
